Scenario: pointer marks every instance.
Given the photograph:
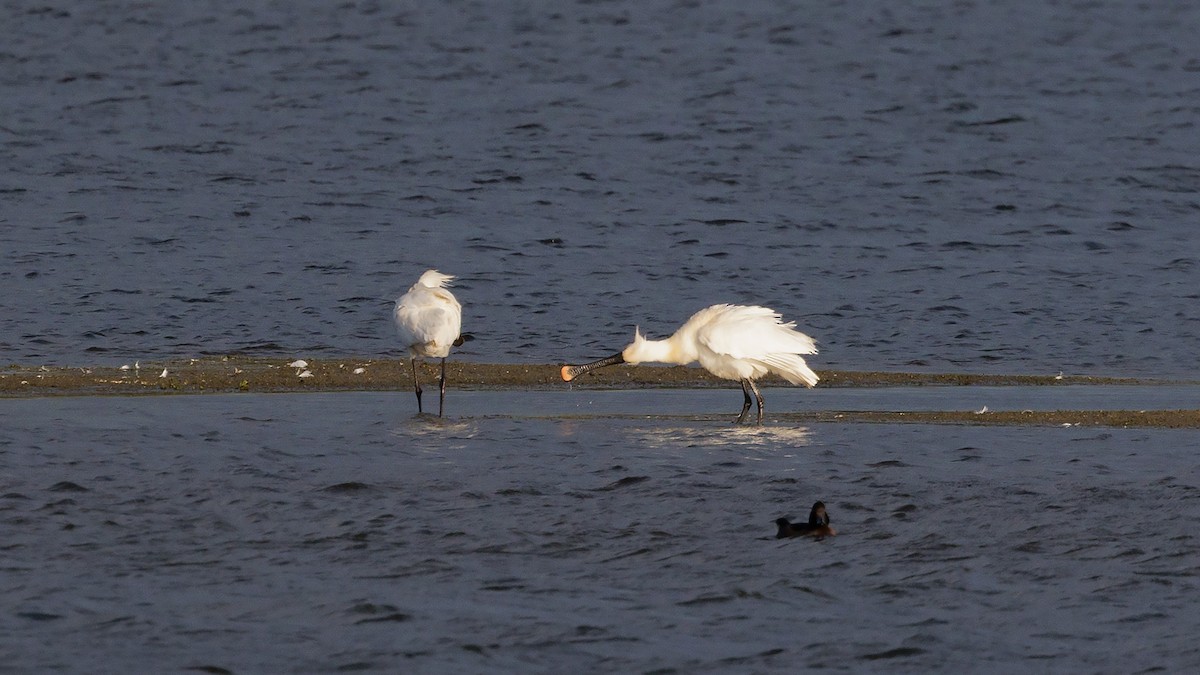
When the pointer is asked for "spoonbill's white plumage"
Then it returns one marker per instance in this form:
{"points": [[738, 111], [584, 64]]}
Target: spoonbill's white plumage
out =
{"points": [[429, 322], [733, 342]]}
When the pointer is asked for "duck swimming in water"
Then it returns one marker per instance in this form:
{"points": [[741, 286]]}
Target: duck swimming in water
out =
{"points": [[817, 525]]}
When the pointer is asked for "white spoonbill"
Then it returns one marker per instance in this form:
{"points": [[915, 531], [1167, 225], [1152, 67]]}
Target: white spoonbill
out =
{"points": [[733, 342], [429, 322]]}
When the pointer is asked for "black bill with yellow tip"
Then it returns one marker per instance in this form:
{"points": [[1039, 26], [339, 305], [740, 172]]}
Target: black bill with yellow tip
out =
{"points": [[571, 372]]}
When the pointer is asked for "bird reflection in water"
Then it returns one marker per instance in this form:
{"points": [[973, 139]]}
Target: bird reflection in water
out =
{"points": [[750, 438]]}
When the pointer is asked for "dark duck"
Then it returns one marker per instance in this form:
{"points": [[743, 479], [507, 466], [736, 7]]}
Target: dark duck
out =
{"points": [[817, 525]]}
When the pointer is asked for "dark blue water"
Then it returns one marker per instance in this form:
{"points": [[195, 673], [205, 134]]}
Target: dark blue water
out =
{"points": [[988, 187], [336, 533], [983, 186]]}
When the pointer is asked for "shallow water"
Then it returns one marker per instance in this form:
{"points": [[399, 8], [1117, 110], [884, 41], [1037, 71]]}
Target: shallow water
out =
{"points": [[918, 189], [324, 532], [683, 402]]}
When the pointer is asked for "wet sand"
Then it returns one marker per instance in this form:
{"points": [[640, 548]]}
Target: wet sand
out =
{"points": [[235, 373], [229, 374]]}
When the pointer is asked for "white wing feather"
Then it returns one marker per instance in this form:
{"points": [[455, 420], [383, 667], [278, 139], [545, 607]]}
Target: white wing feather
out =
{"points": [[758, 335]]}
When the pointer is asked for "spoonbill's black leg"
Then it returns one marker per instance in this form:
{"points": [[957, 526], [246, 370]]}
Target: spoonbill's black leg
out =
{"points": [[757, 395], [416, 385], [442, 386], [746, 384]]}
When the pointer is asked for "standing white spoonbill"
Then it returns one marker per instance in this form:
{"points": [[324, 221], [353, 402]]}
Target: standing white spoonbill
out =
{"points": [[429, 322], [733, 342]]}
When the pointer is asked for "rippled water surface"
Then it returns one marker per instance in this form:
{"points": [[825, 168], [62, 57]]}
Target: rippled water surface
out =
{"points": [[919, 189], [317, 533]]}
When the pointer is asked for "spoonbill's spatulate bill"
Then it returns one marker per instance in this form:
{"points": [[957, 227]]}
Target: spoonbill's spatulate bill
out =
{"points": [[733, 342], [429, 322]]}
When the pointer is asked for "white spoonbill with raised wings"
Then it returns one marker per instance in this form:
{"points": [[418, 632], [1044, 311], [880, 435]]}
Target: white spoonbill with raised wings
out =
{"points": [[733, 342], [429, 321]]}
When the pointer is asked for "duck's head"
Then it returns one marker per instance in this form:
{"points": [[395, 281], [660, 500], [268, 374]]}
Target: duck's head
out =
{"points": [[818, 515]]}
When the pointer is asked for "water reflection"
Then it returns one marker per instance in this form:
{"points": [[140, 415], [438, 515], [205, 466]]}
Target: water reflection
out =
{"points": [[758, 438], [428, 432]]}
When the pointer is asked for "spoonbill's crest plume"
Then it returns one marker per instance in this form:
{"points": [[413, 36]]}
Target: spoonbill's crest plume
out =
{"points": [[733, 342], [435, 279], [428, 322]]}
